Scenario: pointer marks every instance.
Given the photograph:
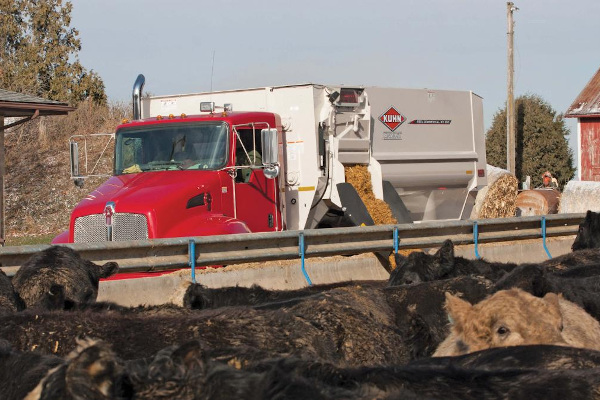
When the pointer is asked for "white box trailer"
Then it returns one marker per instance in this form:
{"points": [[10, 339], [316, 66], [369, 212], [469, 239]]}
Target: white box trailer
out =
{"points": [[425, 146]]}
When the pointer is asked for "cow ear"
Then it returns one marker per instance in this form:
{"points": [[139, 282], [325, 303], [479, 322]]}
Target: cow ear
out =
{"points": [[590, 220], [108, 269], [55, 298], [93, 370], [189, 355], [399, 259], [446, 253], [195, 297], [457, 308], [552, 301], [595, 220]]}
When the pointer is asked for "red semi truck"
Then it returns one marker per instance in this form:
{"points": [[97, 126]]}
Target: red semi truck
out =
{"points": [[188, 165]]}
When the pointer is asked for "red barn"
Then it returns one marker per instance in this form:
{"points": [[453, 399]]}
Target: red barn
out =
{"points": [[586, 108]]}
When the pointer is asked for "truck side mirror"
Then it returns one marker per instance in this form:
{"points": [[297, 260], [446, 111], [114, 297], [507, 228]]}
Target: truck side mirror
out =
{"points": [[270, 152], [77, 179]]}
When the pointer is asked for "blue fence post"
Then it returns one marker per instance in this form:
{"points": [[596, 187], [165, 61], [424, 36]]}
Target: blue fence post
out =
{"points": [[476, 239], [395, 240], [544, 236], [192, 262], [301, 248]]}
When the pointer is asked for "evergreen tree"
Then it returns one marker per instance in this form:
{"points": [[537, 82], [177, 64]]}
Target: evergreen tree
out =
{"points": [[38, 52], [541, 141]]}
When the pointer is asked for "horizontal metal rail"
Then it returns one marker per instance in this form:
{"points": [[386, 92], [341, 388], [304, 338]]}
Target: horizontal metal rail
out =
{"points": [[164, 254]]}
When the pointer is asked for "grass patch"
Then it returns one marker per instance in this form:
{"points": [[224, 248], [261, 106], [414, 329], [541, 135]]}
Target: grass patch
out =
{"points": [[25, 240]]}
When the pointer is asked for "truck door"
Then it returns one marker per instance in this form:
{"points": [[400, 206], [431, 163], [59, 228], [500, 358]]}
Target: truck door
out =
{"points": [[256, 196]]}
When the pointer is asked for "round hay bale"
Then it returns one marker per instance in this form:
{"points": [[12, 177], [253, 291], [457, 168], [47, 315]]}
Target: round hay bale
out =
{"points": [[537, 202], [498, 199], [580, 196]]}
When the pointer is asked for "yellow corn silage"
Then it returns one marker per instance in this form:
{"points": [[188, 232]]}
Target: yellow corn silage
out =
{"points": [[360, 177]]}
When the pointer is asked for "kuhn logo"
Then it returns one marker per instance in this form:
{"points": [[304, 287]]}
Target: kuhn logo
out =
{"points": [[392, 119]]}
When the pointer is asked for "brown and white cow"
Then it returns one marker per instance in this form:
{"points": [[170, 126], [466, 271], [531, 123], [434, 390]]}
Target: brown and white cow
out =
{"points": [[514, 317]]}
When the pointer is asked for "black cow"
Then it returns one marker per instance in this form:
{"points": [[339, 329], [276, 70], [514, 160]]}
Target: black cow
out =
{"points": [[586, 246], [199, 297], [573, 259], [20, 372], [580, 285], [190, 371], [419, 311], [350, 325], [549, 372], [421, 267], [588, 235], [9, 299], [38, 280], [91, 371]]}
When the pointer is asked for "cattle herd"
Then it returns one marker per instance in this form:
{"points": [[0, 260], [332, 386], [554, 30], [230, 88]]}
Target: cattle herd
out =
{"points": [[442, 327]]}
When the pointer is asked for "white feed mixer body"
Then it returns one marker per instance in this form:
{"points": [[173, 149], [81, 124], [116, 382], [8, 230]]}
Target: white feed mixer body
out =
{"points": [[425, 146]]}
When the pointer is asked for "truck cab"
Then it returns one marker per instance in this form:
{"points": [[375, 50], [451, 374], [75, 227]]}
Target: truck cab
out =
{"points": [[281, 163], [179, 176]]}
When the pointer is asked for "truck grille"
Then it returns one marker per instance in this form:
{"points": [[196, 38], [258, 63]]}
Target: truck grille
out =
{"points": [[126, 226]]}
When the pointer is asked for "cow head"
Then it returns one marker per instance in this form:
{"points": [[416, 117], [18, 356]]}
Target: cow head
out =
{"points": [[91, 371], [420, 267], [175, 372], [588, 236], [108, 269], [195, 297], [508, 318]]}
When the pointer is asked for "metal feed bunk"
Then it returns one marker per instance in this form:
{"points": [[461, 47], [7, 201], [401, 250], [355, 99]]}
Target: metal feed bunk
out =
{"points": [[165, 254]]}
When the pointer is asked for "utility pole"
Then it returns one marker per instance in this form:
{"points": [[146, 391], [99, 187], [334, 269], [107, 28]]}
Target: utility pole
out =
{"points": [[510, 101]]}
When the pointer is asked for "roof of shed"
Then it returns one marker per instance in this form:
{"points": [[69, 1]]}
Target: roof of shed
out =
{"points": [[13, 104], [588, 101]]}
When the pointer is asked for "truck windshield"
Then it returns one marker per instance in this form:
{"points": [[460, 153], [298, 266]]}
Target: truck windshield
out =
{"points": [[171, 147]]}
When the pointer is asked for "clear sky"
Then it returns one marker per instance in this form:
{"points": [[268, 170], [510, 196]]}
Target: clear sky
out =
{"points": [[438, 44]]}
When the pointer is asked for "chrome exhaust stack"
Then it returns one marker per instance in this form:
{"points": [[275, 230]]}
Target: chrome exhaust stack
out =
{"points": [[137, 96]]}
